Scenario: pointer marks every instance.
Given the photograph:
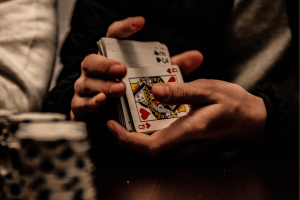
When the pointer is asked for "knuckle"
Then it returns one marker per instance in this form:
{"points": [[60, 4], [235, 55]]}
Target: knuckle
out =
{"points": [[198, 129], [241, 97], [179, 92], [183, 93], [82, 86], [209, 88], [85, 63], [238, 88], [77, 84]]}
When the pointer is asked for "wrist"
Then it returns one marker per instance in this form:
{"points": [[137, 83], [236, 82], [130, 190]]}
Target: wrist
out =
{"points": [[258, 115]]}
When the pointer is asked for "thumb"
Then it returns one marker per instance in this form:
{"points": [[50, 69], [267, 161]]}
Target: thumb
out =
{"points": [[126, 27], [188, 61], [194, 93]]}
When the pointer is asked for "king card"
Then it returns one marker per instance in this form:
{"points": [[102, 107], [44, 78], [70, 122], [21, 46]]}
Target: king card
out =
{"points": [[134, 54], [147, 113]]}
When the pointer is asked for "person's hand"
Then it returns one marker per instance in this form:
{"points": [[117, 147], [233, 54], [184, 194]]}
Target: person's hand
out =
{"points": [[98, 74], [222, 115]]}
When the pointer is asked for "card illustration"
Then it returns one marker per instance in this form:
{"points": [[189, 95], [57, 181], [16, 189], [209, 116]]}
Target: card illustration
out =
{"points": [[148, 108]]}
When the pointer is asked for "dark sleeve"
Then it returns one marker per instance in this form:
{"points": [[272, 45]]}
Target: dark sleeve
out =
{"points": [[282, 130], [59, 99], [89, 23], [282, 102]]}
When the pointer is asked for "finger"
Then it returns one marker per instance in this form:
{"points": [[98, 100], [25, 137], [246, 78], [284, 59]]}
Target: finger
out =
{"points": [[200, 91], [97, 65], [83, 106], [152, 145], [90, 86], [125, 28], [135, 141], [188, 61]]}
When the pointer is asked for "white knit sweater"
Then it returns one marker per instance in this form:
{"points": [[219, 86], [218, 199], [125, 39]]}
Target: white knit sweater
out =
{"points": [[27, 51]]}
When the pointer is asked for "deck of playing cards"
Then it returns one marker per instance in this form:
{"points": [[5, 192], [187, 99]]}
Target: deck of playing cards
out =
{"points": [[147, 63]]}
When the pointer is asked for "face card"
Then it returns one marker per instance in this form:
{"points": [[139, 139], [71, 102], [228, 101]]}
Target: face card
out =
{"points": [[147, 113], [135, 53]]}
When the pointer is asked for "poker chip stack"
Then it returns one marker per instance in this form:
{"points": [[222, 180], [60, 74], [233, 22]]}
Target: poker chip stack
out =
{"points": [[16, 119], [4, 114], [55, 162], [3, 147], [12, 184]]}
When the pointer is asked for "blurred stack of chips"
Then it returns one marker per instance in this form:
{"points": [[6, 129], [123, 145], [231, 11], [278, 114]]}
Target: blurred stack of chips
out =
{"points": [[55, 161], [4, 159], [12, 184], [4, 114]]}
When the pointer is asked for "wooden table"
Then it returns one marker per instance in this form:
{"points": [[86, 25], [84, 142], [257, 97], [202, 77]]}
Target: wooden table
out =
{"points": [[124, 175]]}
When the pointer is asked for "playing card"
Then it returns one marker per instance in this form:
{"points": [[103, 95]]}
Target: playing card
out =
{"points": [[101, 48], [148, 114], [126, 122], [135, 53], [124, 117]]}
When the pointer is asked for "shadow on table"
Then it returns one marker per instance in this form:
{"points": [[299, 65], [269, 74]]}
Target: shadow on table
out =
{"points": [[125, 174]]}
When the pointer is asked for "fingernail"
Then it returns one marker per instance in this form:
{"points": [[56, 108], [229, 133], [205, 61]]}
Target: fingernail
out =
{"points": [[114, 69], [136, 21], [162, 91]]}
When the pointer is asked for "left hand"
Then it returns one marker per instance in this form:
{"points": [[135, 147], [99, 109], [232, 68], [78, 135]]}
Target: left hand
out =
{"points": [[222, 116]]}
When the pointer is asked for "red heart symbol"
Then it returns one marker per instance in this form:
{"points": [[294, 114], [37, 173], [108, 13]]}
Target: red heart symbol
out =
{"points": [[169, 70], [172, 79], [144, 113], [148, 125]]}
